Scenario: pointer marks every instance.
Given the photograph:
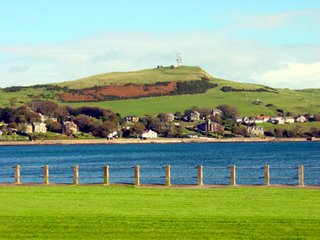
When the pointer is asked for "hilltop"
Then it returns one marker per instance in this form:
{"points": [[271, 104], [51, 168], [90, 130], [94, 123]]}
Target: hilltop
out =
{"points": [[148, 76], [152, 91]]}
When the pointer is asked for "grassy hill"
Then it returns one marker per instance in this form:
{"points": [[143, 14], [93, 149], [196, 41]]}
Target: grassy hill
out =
{"points": [[147, 76], [295, 101]]}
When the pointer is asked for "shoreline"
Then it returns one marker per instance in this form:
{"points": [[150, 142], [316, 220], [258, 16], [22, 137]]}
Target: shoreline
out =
{"points": [[150, 141]]}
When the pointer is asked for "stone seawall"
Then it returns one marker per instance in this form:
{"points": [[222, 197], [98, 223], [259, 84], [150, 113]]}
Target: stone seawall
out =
{"points": [[148, 141]]}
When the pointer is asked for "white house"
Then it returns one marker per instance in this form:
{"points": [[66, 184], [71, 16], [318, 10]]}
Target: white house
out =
{"points": [[113, 134], [289, 120], [216, 112], [237, 119], [301, 119], [255, 130], [277, 120], [264, 118], [149, 134], [257, 120], [39, 127]]}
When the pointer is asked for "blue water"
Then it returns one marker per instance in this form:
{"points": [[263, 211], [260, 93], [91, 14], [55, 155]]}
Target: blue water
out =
{"points": [[152, 158]]}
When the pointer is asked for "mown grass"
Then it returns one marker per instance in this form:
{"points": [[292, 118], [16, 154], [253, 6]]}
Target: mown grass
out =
{"points": [[97, 212]]}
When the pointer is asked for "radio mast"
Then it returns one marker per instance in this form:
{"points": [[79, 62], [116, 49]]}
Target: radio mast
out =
{"points": [[179, 59]]}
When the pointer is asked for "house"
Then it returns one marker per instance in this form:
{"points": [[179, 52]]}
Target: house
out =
{"points": [[28, 128], [289, 120], [264, 118], [69, 127], [149, 134], [246, 120], [216, 112], [193, 116], [46, 118], [131, 118], [209, 126], [257, 120], [277, 120], [237, 119], [254, 130], [113, 135], [301, 119], [39, 127]]}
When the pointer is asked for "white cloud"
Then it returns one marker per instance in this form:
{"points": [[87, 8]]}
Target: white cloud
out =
{"points": [[291, 19], [295, 74], [240, 59]]}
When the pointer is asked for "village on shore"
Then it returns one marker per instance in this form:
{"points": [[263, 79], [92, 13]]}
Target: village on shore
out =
{"points": [[46, 120]]}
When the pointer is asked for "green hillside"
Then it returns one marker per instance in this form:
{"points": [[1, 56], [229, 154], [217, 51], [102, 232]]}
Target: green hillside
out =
{"points": [[251, 99], [183, 73], [287, 100]]}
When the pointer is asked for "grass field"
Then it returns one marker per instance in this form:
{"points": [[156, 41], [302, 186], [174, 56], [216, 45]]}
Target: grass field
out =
{"points": [[288, 100], [97, 212], [305, 126]]}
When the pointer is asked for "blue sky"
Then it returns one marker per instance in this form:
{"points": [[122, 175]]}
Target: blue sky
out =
{"points": [[276, 43]]}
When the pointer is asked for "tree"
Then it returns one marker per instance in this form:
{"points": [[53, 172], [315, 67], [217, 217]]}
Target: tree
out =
{"points": [[107, 128], [228, 112], [278, 132], [138, 128], [8, 115], [206, 112], [53, 126], [181, 129], [313, 131], [48, 108], [178, 114]]}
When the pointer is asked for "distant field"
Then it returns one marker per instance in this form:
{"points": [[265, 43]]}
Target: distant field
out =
{"points": [[305, 126], [293, 101], [97, 212]]}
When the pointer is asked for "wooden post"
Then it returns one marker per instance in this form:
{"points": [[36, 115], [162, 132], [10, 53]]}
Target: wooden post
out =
{"points": [[75, 175], [200, 175], [301, 176], [266, 175], [46, 174], [136, 175], [168, 175], [17, 174], [106, 175], [233, 175]]}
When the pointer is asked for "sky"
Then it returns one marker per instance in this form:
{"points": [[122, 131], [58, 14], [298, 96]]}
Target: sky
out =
{"points": [[275, 43]]}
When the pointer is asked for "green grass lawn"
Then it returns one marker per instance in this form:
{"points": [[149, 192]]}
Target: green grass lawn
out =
{"points": [[97, 212]]}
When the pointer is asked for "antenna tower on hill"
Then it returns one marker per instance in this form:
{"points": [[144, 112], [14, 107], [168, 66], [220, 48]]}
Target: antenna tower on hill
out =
{"points": [[179, 59]]}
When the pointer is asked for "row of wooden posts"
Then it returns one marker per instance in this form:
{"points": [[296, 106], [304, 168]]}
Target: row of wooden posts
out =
{"points": [[167, 175]]}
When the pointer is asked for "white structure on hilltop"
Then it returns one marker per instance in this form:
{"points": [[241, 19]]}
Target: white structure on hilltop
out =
{"points": [[179, 59]]}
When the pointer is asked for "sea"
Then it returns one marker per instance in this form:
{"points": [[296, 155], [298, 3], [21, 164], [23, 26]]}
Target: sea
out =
{"points": [[249, 159]]}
